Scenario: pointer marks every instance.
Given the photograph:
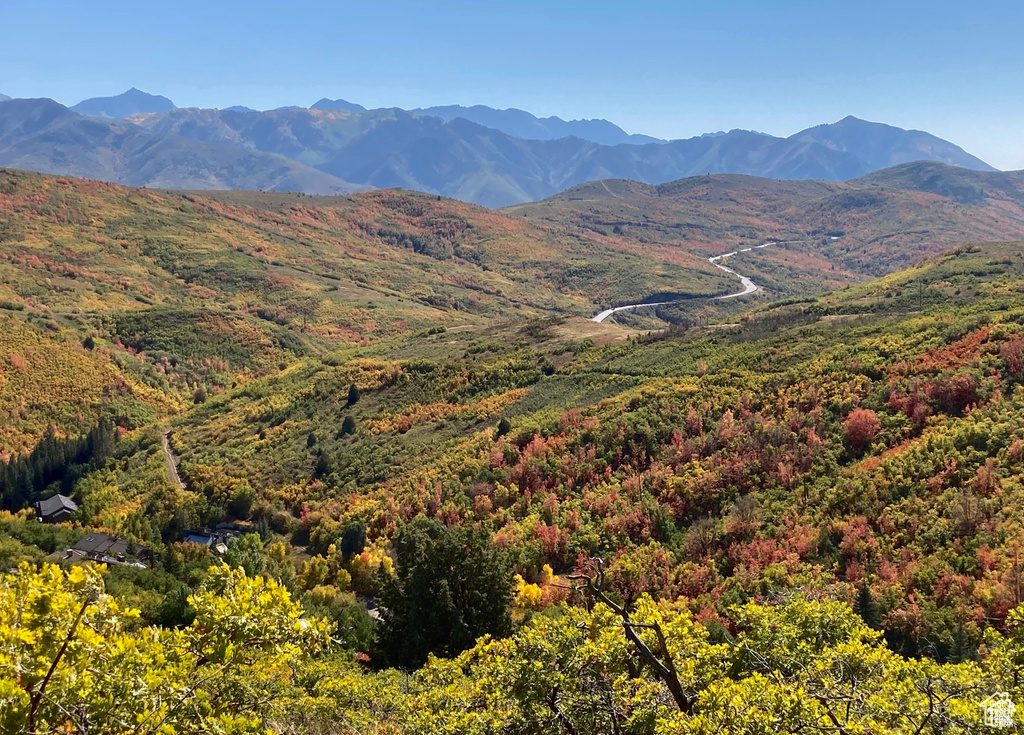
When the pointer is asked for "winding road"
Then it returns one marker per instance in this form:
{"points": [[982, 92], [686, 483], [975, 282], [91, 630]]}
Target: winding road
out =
{"points": [[172, 462], [748, 285]]}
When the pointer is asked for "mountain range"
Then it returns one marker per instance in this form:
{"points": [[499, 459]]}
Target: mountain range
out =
{"points": [[42, 135], [477, 154]]}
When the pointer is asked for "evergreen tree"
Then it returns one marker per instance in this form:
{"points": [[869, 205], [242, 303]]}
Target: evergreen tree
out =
{"points": [[323, 466], [867, 608], [451, 586], [348, 426], [25, 477], [353, 540], [962, 648], [353, 395]]}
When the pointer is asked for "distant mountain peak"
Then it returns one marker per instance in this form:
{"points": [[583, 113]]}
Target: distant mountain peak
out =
{"points": [[338, 104], [880, 145], [4, 98], [132, 102]]}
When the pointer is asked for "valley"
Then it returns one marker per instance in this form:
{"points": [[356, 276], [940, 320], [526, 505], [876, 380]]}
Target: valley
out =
{"points": [[562, 369], [332, 390], [748, 286]]}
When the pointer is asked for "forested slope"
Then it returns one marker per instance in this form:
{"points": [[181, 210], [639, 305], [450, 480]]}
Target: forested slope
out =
{"points": [[803, 517]]}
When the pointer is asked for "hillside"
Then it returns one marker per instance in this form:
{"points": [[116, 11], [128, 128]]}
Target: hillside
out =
{"points": [[864, 227], [732, 461], [181, 291], [387, 402]]}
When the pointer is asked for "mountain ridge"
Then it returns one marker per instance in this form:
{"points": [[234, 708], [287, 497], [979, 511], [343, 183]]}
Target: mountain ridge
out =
{"points": [[127, 103], [338, 104], [880, 145], [522, 124], [338, 150], [47, 137]]}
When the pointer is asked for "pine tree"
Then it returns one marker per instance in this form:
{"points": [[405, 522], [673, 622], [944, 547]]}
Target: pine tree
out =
{"points": [[451, 586], [323, 466], [962, 648], [867, 608]]}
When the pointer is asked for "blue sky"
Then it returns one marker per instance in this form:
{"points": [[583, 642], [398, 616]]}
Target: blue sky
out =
{"points": [[671, 69]]}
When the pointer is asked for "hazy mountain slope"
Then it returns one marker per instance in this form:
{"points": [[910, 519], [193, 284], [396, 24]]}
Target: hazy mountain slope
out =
{"points": [[338, 104], [459, 158], [311, 136], [42, 135], [131, 102], [738, 152], [395, 148], [880, 146], [522, 124], [4, 98]]}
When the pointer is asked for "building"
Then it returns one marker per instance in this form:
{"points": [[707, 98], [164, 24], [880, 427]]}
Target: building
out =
{"points": [[107, 549], [55, 509], [216, 540]]}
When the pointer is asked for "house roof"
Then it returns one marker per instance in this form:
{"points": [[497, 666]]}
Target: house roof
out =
{"points": [[55, 504], [104, 544]]}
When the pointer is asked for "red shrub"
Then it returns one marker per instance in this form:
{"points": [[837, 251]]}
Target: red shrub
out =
{"points": [[861, 427]]}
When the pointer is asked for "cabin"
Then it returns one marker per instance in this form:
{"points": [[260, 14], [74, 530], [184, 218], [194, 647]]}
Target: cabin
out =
{"points": [[107, 549], [55, 509], [216, 540]]}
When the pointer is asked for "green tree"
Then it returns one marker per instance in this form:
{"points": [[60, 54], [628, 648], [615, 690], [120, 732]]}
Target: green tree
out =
{"points": [[246, 553], [348, 426], [241, 502], [867, 608], [451, 586], [353, 540]]}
